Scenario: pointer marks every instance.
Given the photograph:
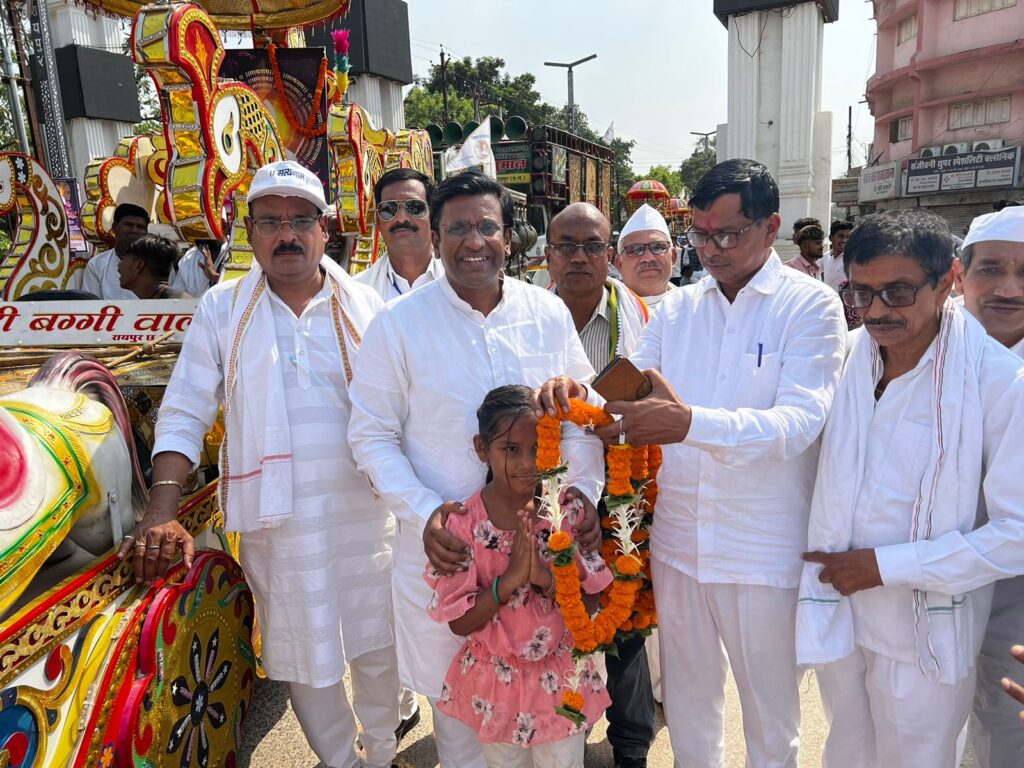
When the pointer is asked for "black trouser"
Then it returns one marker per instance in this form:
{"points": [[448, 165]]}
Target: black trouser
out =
{"points": [[631, 713]]}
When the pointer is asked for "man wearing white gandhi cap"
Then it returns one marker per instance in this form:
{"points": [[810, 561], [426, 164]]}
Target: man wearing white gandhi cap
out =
{"points": [[645, 255], [992, 286]]}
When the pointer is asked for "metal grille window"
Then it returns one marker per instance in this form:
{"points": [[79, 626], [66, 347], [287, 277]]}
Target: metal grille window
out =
{"points": [[907, 30], [967, 114], [967, 8]]}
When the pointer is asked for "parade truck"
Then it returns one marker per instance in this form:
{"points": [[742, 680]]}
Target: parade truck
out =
{"points": [[551, 168]]}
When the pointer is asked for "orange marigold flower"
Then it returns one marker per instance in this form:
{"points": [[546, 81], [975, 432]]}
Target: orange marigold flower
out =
{"points": [[618, 457], [642, 621], [626, 626], [638, 463], [572, 700], [559, 541], [628, 565], [653, 460], [640, 536]]}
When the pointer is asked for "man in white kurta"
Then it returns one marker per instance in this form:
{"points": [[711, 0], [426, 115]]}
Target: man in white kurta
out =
{"points": [[195, 272], [277, 348], [744, 365], [927, 421], [425, 365], [100, 277], [402, 198], [992, 288]]}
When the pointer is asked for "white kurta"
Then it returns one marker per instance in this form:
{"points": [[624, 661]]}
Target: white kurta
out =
{"points": [[189, 275], [321, 578], [835, 273], [960, 563], [426, 363], [760, 375], [389, 284], [101, 277]]}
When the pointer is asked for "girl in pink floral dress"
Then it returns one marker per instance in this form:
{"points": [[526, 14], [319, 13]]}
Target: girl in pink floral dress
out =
{"points": [[509, 676]]}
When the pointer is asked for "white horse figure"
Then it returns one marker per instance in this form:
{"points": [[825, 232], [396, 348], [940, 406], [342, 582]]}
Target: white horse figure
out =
{"points": [[68, 468]]}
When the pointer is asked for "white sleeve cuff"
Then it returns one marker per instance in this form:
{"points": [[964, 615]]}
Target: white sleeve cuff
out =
{"points": [[898, 565], [708, 427]]}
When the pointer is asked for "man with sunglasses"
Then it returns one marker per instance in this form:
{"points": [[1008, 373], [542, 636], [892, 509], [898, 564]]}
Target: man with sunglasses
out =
{"points": [[917, 508], [743, 367], [276, 348], [646, 256], [402, 198]]}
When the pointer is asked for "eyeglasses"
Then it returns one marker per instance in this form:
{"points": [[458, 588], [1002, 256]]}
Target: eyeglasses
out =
{"points": [[486, 228], [593, 248], [724, 240], [388, 209], [657, 248], [301, 225], [892, 296]]}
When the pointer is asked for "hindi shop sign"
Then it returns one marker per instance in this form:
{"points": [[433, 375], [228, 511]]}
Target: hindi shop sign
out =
{"points": [[845, 191], [512, 162], [879, 182], [970, 170], [93, 323]]}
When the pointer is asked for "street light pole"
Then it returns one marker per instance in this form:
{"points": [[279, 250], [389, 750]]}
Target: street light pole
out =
{"points": [[704, 136], [572, 102]]}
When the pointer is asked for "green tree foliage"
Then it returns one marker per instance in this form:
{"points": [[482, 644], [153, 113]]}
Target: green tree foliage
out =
{"points": [[703, 159], [667, 176], [500, 94]]}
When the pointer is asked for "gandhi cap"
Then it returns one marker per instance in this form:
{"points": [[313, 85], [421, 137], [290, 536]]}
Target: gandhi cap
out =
{"points": [[286, 178], [1007, 224]]}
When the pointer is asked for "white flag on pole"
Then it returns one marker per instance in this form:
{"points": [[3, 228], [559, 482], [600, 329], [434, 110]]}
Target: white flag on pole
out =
{"points": [[609, 135], [475, 151]]}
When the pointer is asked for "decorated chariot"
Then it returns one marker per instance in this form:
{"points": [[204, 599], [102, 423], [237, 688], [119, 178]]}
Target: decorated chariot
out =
{"points": [[95, 669]]}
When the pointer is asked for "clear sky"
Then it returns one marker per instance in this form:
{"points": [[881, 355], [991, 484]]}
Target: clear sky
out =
{"points": [[661, 66]]}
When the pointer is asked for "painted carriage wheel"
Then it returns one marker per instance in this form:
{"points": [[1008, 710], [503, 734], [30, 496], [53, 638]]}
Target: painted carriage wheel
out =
{"points": [[193, 684]]}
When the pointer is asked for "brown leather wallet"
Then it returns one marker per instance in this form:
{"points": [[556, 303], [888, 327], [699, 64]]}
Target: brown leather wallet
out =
{"points": [[621, 380]]}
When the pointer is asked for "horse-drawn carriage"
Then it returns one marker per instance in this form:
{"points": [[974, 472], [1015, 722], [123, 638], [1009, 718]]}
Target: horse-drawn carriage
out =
{"points": [[96, 669]]}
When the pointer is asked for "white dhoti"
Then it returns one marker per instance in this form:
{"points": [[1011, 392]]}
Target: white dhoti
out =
{"points": [[705, 628], [883, 712], [996, 733]]}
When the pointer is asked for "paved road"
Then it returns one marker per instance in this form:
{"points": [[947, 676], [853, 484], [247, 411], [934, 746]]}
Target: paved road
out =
{"points": [[272, 736]]}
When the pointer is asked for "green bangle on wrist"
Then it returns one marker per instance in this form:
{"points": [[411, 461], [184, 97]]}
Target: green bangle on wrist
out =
{"points": [[494, 591]]}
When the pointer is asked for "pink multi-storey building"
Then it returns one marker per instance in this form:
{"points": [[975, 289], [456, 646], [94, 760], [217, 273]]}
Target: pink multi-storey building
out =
{"points": [[948, 85]]}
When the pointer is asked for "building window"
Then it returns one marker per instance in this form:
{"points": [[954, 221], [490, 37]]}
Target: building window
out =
{"points": [[968, 114], [905, 130], [967, 8], [907, 30]]}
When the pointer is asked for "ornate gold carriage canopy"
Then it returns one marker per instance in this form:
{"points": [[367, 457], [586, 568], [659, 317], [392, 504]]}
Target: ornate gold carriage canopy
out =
{"points": [[246, 14]]}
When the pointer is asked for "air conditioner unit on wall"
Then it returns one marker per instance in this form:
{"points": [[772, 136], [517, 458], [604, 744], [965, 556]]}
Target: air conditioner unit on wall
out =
{"points": [[930, 151], [986, 145], [956, 149]]}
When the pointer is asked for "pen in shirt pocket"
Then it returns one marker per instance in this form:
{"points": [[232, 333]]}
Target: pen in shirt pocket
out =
{"points": [[760, 350]]}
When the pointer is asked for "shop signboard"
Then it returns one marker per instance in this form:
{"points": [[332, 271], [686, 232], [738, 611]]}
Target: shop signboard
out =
{"points": [[964, 171], [879, 182], [512, 161], [845, 191]]}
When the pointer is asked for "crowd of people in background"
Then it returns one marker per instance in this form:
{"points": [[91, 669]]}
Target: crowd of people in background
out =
{"points": [[838, 489]]}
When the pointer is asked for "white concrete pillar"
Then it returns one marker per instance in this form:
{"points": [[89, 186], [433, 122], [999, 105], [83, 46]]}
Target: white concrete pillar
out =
{"points": [[774, 99], [72, 24]]}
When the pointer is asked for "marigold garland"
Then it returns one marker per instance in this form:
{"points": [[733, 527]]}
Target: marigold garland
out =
{"points": [[309, 129], [627, 606]]}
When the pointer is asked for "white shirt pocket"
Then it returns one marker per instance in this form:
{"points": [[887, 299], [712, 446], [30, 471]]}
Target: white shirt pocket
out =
{"points": [[759, 380]]}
